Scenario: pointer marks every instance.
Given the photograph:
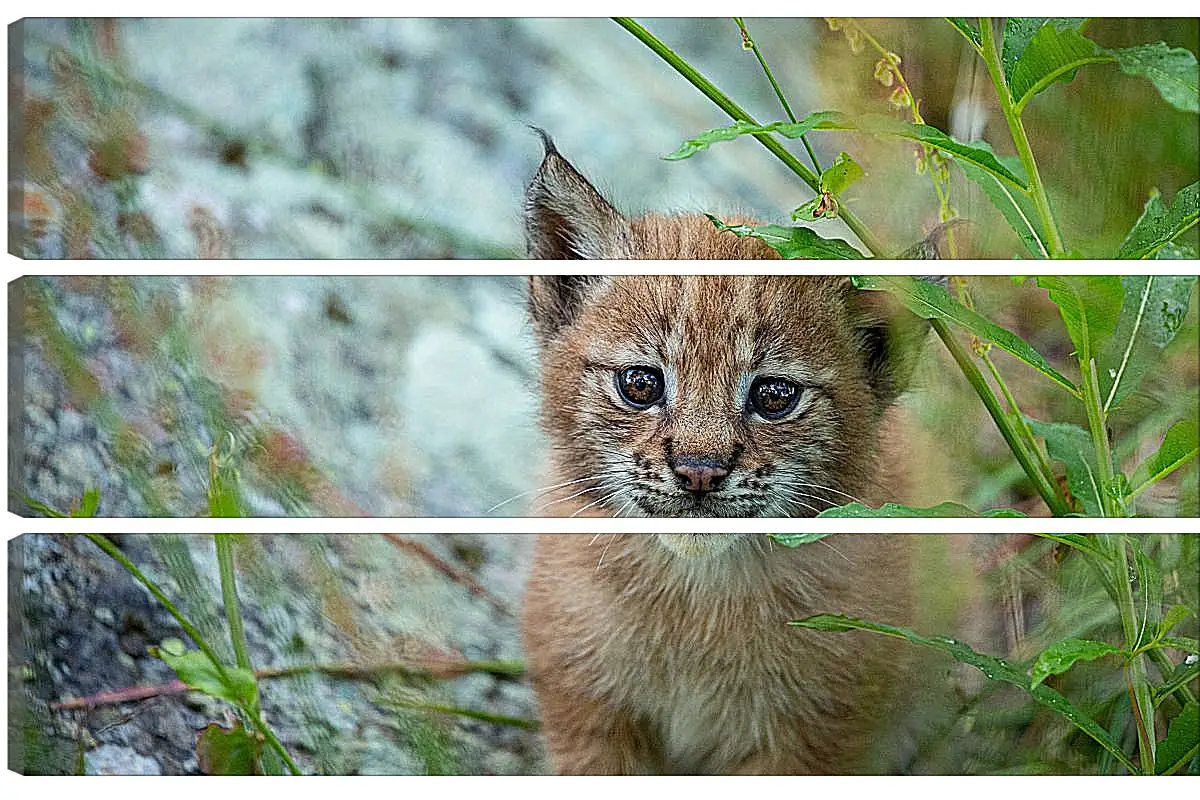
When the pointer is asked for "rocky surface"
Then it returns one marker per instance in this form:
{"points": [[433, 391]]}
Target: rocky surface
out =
{"points": [[338, 139], [80, 625], [408, 138]]}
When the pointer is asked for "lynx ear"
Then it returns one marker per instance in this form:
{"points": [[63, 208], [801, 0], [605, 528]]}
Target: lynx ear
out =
{"points": [[891, 339], [555, 301], [565, 217]]}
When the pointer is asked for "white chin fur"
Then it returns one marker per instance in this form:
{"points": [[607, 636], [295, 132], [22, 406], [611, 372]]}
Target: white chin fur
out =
{"points": [[696, 545]]}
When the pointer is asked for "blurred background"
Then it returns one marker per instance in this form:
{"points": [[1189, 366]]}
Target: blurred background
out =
{"points": [[417, 395], [407, 138]]}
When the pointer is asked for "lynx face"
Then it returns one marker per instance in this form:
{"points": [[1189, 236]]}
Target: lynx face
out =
{"points": [[730, 396]]}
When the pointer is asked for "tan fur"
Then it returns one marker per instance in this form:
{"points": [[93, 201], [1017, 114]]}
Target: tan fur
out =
{"points": [[647, 661], [671, 653]]}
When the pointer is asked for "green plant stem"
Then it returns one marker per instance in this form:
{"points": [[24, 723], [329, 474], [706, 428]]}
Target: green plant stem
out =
{"points": [[787, 109], [105, 544], [233, 608], [1037, 191], [722, 101], [1097, 426], [1166, 665], [114, 552], [1049, 491], [1019, 418], [265, 731], [1136, 677]]}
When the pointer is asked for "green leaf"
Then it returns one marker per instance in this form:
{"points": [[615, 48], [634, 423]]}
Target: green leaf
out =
{"points": [[1152, 312], [1183, 674], [1179, 446], [792, 242], [809, 211], [88, 504], [228, 751], [860, 511], [1174, 616], [819, 120], [195, 669], [1072, 445], [1078, 541], [963, 26], [798, 539], [1183, 738], [927, 134], [1052, 55], [1061, 656], [995, 669], [931, 301], [1019, 32], [873, 124], [839, 175], [1172, 70], [1184, 643], [1016, 207], [1090, 306], [1160, 224]]}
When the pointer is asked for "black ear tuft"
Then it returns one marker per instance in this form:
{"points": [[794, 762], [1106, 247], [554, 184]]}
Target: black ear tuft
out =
{"points": [[891, 338], [929, 247], [555, 301], [565, 217]]}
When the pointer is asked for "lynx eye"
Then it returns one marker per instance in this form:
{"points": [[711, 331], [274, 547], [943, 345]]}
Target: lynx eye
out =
{"points": [[773, 398], [641, 387]]}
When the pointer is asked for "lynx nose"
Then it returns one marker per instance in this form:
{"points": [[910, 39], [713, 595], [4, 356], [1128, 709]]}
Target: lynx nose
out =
{"points": [[700, 474]]}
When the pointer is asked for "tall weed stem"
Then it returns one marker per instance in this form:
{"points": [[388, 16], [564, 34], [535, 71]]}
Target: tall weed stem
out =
{"points": [[748, 42], [1136, 676], [1049, 492], [1037, 191], [722, 101]]}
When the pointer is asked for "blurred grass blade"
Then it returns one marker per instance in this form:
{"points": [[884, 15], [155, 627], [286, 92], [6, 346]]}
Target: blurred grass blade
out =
{"points": [[1150, 593], [1061, 656], [792, 242], [1016, 208], [1072, 445], [1160, 224], [1090, 306], [798, 539], [1172, 70], [1178, 448], [1052, 55], [1151, 314], [860, 511], [995, 669], [930, 301]]}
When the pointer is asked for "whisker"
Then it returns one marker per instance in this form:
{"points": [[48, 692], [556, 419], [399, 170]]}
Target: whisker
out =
{"points": [[604, 499], [545, 489]]}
